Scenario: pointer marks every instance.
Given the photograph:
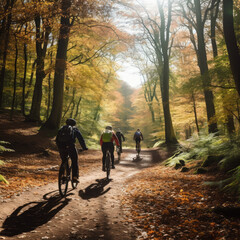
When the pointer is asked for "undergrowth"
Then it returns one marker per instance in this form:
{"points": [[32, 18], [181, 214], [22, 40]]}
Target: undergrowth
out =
{"points": [[213, 149], [4, 149]]}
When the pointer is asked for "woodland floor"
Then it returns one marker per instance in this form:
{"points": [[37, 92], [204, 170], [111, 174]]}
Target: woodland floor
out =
{"points": [[143, 199]]}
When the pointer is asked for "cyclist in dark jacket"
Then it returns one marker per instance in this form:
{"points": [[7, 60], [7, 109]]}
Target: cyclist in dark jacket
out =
{"points": [[121, 138], [138, 137], [68, 148]]}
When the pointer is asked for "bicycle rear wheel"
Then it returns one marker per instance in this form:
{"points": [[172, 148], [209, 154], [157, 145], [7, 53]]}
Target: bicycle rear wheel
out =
{"points": [[63, 179], [74, 184], [138, 148], [107, 162]]}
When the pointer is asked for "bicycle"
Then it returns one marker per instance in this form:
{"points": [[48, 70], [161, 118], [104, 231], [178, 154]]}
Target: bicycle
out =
{"points": [[118, 153], [138, 148], [64, 176], [108, 163]]}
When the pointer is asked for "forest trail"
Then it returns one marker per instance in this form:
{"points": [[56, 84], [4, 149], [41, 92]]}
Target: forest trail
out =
{"points": [[93, 211]]}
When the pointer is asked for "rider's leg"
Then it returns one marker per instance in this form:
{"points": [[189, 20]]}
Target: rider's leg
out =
{"points": [[111, 149], [120, 143], [74, 157], [104, 151], [63, 154]]}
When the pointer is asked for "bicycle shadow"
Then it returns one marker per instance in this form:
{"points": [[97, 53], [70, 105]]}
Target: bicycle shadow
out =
{"points": [[31, 215], [95, 190]]}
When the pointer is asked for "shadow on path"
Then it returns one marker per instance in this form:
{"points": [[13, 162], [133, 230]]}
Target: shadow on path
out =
{"points": [[95, 190], [33, 214]]}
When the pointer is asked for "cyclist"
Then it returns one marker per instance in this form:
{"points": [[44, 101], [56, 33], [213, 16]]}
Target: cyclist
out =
{"points": [[138, 137], [65, 140], [120, 137], [106, 142]]}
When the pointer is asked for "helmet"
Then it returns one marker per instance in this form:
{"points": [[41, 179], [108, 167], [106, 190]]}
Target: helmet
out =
{"points": [[71, 122], [138, 130], [109, 127]]}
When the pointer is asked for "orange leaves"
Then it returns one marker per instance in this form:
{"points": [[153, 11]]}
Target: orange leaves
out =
{"points": [[167, 205]]}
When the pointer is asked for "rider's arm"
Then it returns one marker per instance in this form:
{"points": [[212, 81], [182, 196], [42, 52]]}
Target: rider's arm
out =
{"points": [[116, 140], [80, 138], [123, 137], [101, 141]]}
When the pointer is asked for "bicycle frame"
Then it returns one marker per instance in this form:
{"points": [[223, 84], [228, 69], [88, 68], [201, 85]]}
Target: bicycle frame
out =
{"points": [[64, 176], [108, 163]]}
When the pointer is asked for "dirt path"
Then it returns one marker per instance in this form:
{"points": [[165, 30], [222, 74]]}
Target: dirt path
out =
{"points": [[92, 212]]}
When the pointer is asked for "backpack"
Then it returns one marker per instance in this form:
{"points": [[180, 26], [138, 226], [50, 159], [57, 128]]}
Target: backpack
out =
{"points": [[107, 136], [65, 134], [137, 135]]}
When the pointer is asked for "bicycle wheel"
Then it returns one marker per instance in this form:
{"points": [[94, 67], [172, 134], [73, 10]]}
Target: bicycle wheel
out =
{"points": [[63, 179], [107, 162], [118, 153], [138, 148]]}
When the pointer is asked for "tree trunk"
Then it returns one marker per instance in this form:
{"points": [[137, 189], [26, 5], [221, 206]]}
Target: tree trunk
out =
{"points": [[31, 78], [202, 63], [40, 73], [15, 79], [5, 37], [54, 119], [231, 41], [214, 14], [195, 112], [77, 108], [170, 137], [24, 77]]}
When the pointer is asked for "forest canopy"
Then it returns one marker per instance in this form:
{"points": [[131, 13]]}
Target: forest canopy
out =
{"points": [[61, 59]]}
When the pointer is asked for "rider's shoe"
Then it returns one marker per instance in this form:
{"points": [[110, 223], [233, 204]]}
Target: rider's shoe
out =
{"points": [[113, 167], [75, 179], [103, 168]]}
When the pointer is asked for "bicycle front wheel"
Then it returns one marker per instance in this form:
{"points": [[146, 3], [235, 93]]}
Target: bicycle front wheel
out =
{"points": [[108, 164], [63, 179]]}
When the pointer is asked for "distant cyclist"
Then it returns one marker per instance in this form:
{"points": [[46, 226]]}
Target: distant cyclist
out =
{"points": [[138, 137], [106, 141], [66, 138], [121, 138]]}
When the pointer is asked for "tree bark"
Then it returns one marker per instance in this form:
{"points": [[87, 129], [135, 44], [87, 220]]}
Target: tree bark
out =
{"points": [[195, 112], [40, 73], [5, 36], [203, 65], [15, 79], [54, 120], [24, 77], [231, 41]]}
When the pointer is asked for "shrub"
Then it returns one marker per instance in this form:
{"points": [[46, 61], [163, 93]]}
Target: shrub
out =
{"points": [[4, 149]]}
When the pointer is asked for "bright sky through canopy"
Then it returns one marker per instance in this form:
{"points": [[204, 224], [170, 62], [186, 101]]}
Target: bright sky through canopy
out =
{"points": [[130, 74]]}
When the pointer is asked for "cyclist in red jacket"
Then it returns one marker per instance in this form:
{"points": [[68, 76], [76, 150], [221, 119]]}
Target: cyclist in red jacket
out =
{"points": [[106, 141]]}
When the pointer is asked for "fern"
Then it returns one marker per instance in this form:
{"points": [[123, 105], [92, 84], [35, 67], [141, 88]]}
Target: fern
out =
{"points": [[4, 149]]}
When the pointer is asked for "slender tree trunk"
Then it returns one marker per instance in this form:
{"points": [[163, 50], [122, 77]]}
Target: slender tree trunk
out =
{"points": [[77, 108], [5, 36], [49, 82], [202, 62], [15, 78], [24, 78], [31, 78], [54, 119], [231, 41], [170, 136], [214, 15], [40, 73], [195, 112]]}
